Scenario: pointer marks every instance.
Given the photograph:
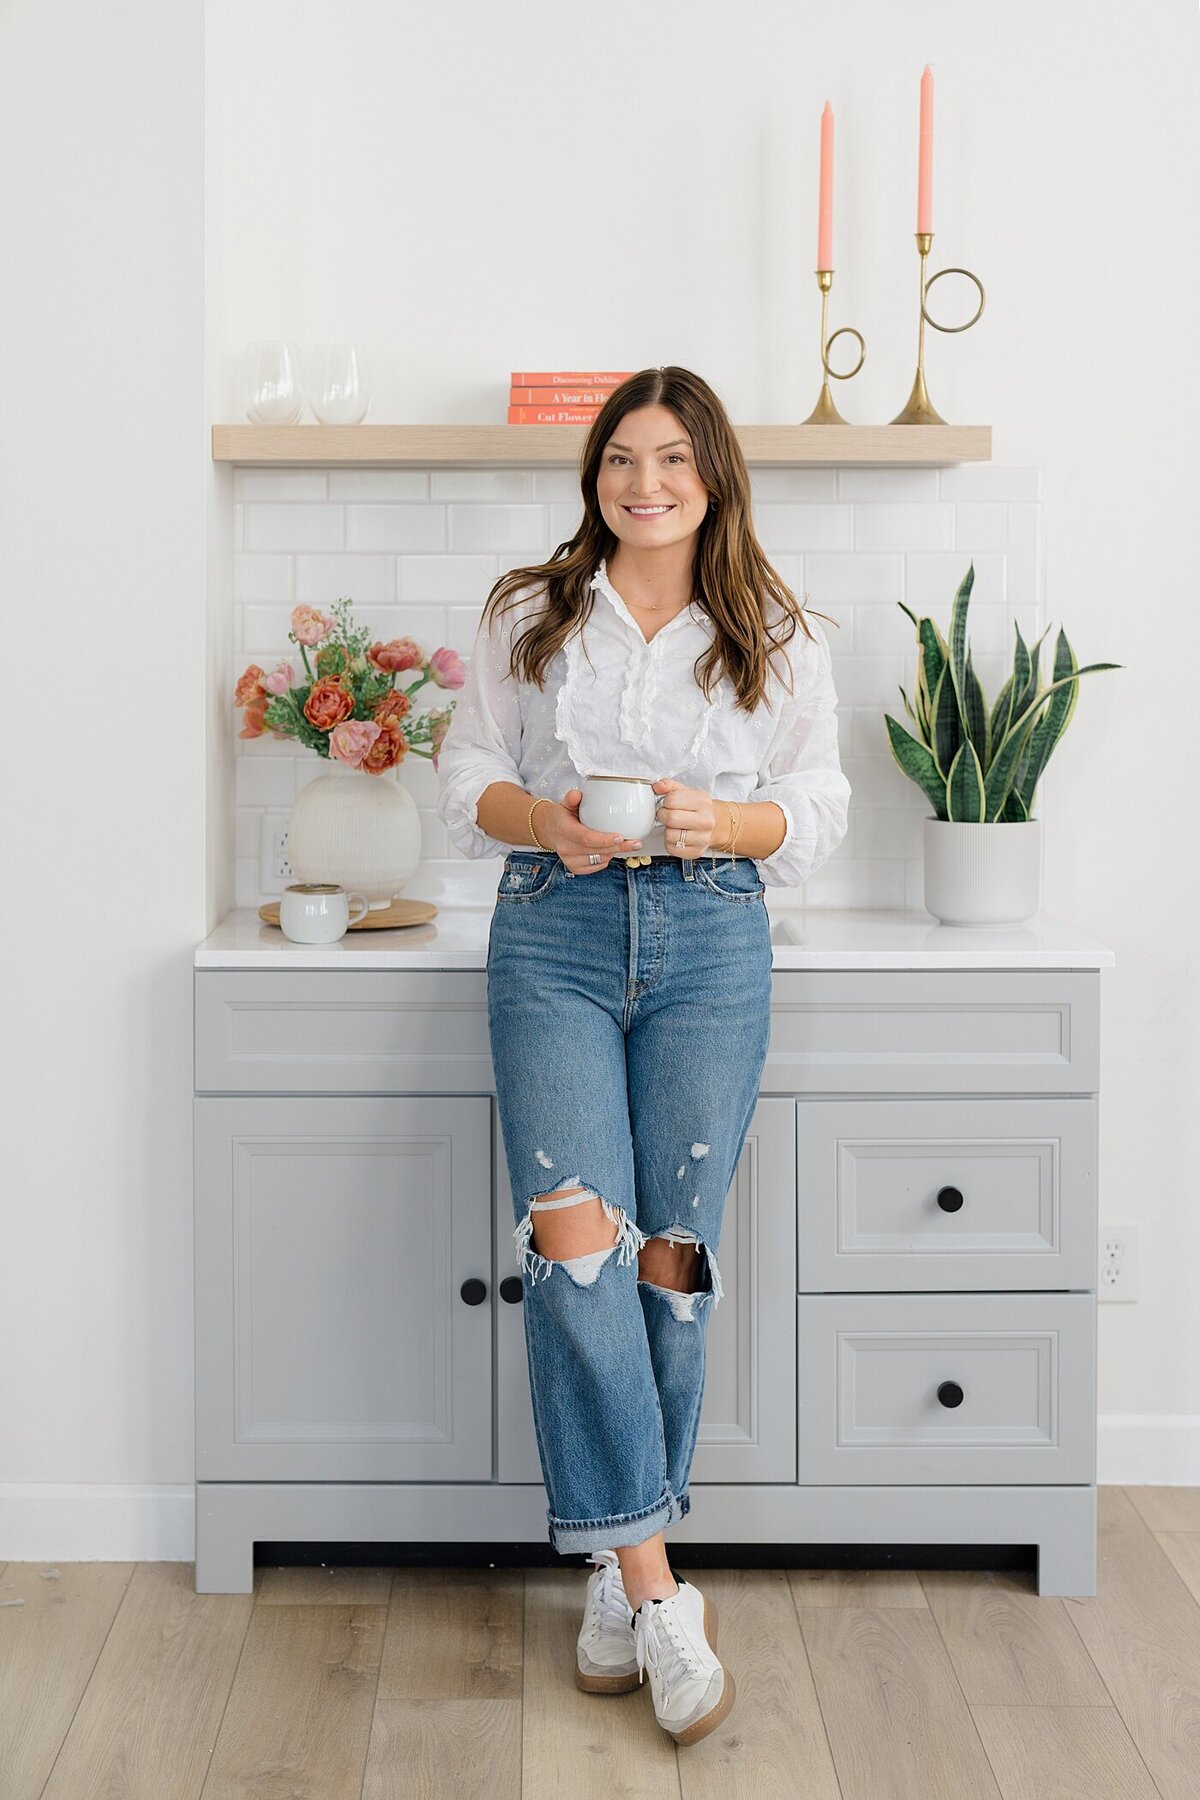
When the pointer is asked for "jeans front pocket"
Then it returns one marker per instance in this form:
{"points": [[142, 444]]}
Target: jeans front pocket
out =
{"points": [[738, 881], [528, 875]]}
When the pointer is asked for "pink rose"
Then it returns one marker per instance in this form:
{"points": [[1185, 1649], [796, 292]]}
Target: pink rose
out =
{"points": [[447, 668], [310, 626], [280, 679], [350, 741]]}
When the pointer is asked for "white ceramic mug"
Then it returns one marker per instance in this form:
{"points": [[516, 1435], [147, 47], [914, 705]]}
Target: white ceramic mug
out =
{"points": [[318, 912], [623, 803]]}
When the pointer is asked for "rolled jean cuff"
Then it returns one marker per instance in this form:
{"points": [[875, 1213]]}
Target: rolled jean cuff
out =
{"points": [[567, 1535]]}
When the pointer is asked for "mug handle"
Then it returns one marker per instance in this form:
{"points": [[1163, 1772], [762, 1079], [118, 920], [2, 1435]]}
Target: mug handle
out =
{"points": [[356, 916]]}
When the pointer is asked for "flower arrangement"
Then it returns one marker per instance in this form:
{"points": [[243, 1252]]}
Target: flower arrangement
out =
{"points": [[979, 765], [350, 709]]}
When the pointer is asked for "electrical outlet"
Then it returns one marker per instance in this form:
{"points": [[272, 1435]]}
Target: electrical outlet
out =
{"points": [[1118, 1263], [274, 869]]}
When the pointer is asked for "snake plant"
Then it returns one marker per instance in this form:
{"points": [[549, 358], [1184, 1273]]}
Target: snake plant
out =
{"points": [[981, 765]]}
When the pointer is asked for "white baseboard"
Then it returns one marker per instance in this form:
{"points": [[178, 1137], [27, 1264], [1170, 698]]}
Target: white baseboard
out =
{"points": [[43, 1522]]}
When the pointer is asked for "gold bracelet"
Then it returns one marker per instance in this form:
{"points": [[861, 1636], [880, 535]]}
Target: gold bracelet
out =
{"points": [[533, 834], [735, 814]]}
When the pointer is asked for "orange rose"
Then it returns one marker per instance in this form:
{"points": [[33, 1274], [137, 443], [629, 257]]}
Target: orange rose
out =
{"points": [[389, 748], [249, 686], [328, 703], [393, 706], [397, 655]]}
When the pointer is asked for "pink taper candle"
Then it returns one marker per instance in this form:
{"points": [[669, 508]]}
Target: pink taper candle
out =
{"points": [[925, 163], [825, 219]]}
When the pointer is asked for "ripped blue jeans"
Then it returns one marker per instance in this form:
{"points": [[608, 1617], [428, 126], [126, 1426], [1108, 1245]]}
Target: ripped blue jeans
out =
{"points": [[629, 1013]]}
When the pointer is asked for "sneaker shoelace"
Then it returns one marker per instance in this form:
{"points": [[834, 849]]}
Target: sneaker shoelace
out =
{"points": [[609, 1591], [662, 1644]]}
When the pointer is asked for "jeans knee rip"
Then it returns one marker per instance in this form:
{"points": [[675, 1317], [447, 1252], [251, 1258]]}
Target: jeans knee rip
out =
{"points": [[683, 1305], [585, 1269]]}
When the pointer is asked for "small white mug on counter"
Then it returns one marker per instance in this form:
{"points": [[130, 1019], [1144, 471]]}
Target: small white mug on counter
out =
{"points": [[318, 912]]}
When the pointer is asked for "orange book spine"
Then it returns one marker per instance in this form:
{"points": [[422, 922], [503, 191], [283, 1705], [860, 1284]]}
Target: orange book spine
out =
{"points": [[552, 415], [605, 378], [552, 396]]}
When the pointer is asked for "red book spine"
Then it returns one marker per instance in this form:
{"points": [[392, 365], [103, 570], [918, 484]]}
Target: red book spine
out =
{"points": [[552, 415], [604, 378], [553, 396]]}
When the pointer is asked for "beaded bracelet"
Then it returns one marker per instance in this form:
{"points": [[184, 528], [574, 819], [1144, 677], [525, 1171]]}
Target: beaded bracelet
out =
{"points": [[533, 834]]}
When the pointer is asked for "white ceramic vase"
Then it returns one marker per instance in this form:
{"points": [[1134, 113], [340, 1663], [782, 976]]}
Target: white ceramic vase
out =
{"points": [[362, 831], [982, 874]]}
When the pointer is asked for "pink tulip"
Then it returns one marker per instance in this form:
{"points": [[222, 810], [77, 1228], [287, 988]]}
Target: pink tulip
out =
{"points": [[280, 679], [447, 668]]}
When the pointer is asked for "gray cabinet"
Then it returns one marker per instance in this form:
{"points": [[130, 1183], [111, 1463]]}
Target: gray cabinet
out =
{"points": [[905, 1352]]}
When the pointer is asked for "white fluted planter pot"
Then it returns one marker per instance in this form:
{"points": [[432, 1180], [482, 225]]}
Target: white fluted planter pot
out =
{"points": [[982, 874], [362, 831]]}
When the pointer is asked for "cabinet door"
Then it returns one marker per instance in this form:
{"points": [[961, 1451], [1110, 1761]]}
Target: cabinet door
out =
{"points": [[748, 1419], [333, 1239]]}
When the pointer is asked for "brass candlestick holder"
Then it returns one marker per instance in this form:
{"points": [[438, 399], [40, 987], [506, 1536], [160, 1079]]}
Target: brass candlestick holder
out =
{"points": [[920, 409], [825, 412]]}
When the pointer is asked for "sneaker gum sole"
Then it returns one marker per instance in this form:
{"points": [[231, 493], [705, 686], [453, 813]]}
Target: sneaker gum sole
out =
{"points": [[625, 1684], [700, 1728]]}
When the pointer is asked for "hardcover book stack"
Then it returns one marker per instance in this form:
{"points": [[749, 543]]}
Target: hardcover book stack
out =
{"points": [[562, 397]]}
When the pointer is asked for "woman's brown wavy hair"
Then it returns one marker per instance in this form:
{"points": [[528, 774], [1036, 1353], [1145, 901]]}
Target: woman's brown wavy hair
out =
{"points": [[734, 582]]}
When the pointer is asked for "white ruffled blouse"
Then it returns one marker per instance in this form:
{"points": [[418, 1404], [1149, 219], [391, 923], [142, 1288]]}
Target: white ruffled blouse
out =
{"points": [[614, 704]]}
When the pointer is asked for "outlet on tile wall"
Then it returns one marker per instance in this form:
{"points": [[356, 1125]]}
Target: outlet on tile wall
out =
{"points": [[418, 550]]}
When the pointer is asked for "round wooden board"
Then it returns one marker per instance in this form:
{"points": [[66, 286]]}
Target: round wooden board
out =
{"points": [[384, 918]]}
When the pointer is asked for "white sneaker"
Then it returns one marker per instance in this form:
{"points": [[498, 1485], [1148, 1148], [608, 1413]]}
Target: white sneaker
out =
{"points": [[676, 1638], [605, 1654]]}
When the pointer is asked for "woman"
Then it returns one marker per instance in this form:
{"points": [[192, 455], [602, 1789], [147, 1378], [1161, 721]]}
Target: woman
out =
{"points": [[629, 983]]}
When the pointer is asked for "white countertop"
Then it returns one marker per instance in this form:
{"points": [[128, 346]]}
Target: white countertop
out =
{"points": [[816, 938]]}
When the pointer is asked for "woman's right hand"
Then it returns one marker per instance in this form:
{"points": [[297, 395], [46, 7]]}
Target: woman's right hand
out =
{"points": [[574, 842]]}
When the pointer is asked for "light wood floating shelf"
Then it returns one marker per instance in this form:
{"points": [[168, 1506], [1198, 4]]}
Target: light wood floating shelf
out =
{"points": [[468, 446]]}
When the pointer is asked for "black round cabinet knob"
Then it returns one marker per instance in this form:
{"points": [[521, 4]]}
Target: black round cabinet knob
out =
{"points": [[950, 1394], [474, 1291], [512, 1289], [949, 1199]]}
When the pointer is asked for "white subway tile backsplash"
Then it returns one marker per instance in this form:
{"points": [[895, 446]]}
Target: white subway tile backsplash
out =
{"points": [[500, 528], [915, 526], [980, 526], [262, 578], [803, 527], [984, 481], [303, 525], [404, 527], [907, 487], [417, 551], [854, 577], [281, 484], [447, 577], [792, 484], [483, 484], [365, 579], [379, 484]]}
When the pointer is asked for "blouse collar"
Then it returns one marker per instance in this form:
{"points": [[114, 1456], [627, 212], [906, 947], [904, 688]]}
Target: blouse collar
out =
{"points": [[691, 611]]}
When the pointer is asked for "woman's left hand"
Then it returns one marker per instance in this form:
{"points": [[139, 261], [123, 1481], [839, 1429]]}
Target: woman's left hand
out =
{"points": [[687, 809]]}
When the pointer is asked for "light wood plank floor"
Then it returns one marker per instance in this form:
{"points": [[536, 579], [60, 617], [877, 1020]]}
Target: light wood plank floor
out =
{"points": [[119, 1681]]}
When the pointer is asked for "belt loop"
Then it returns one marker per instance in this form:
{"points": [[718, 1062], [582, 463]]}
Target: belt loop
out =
{"points": [[687, 868]]}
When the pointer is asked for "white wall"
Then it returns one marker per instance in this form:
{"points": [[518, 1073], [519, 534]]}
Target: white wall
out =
{"points": [[464, 191]]}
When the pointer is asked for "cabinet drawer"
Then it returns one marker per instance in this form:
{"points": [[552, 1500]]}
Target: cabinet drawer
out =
{"points": [[937, 1388], [336, 1031], [946, 1194], [948, 1031]]}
